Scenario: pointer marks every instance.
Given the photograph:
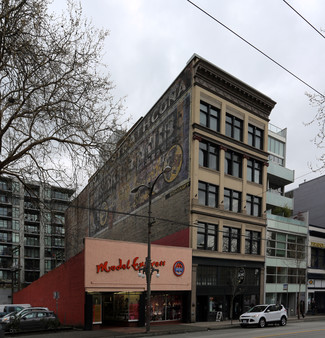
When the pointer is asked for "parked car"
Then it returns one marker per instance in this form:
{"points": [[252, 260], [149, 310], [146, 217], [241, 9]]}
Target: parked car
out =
{"points": [[31, 320], [264, 314], [7, 308], [6, 318]]}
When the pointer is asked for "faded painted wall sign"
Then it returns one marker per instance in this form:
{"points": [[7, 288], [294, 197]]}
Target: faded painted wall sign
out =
{"points": [[160, 139]]}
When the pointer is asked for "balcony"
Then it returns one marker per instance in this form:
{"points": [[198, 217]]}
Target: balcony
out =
{"points": [[279, 175], [277, 200]]}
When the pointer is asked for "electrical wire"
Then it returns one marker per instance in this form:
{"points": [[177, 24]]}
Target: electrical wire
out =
{"points": [[304, 19], [257, 49]]}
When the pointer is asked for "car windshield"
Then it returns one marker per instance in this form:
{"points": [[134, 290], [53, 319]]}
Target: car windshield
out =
{"points": [[257, 308]]}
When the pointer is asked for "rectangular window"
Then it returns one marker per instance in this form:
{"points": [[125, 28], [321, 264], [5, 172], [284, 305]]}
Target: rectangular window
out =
{"points": [[253, 205], [209, 116], [285, 245], [233, 163], [207, 235], [317, 258], [232, 200], [209, 155], [231, 239], [252, 242], [254, 171], [234, 127], [255, 136], [5, 211], [208, 194]]}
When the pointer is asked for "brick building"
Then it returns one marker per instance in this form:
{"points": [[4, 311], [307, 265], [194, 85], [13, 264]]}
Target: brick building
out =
{"points": [[212, 129]]}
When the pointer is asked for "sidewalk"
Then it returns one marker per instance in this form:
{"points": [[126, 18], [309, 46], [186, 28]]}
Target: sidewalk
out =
{"points": [[164, 329]]}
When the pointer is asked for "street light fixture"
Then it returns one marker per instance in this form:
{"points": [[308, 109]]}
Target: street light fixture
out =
{"points": [[148, 270]]}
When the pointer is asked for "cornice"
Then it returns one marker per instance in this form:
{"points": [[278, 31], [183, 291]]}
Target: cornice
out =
{"points": [[231, 89]]}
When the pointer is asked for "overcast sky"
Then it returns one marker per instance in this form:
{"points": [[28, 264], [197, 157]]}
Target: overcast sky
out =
{"points": [[151, 41]]}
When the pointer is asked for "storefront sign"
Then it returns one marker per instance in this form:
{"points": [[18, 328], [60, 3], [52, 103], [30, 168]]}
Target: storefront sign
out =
{"points": [[179, 268], [317, 245], [136, 265]]}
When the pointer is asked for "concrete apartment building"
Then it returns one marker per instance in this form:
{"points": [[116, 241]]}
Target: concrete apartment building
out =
{"points": [[212, 130], [309, 196], [31, 232], [287, 236]]}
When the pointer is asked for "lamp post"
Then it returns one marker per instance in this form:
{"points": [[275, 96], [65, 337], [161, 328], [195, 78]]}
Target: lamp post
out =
{"points": [[148, 270]]}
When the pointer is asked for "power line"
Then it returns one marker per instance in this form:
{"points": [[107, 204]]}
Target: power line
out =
{"points": [[260, 51], [305, 19]]}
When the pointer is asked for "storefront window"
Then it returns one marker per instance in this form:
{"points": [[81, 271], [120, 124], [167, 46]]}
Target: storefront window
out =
{"points": [[166, 307]]}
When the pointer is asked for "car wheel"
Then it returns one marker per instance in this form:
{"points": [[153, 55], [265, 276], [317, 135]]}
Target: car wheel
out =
{"points": [[262, 322], [283, 321]]}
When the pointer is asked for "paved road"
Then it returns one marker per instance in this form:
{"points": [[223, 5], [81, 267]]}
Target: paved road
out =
{"points": [[312, 327]]}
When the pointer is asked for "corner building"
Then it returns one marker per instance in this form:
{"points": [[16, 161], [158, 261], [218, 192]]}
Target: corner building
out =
{"points": [[212, 129]]}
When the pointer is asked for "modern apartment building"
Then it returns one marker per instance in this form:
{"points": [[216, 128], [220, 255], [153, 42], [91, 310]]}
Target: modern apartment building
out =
{"points": [[309, 196], [212, 130], [287, 236], [31, 232]]}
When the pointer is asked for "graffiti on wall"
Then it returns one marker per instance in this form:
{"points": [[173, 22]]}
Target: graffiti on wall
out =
{"points": [[160, 139]]}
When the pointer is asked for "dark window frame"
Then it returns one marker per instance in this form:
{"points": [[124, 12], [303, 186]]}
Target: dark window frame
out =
{"points": [[210, 116], [253, 205], [207, 152], [233, 163], [232, 196], [254, 139], [234, 127], [252, 242], [208, 190], [231, 240], [209, 232], [254, 171]]}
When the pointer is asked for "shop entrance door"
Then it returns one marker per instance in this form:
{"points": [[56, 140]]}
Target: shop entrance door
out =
{"points": [[202, 308]]}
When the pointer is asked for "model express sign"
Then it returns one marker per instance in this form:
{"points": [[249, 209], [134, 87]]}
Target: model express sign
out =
{"points": [[134, 264]]}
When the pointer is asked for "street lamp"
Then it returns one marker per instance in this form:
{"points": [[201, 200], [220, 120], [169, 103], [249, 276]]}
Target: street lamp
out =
{"points": [[148, 270]]}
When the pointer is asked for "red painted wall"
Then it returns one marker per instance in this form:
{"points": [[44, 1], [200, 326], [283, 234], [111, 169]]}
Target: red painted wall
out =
{"points": [[68, 280], [180, 238]]}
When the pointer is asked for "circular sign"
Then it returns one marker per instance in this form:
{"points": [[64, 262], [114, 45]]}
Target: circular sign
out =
{"points": [[103, 214], [179, 268], [174, 159]]}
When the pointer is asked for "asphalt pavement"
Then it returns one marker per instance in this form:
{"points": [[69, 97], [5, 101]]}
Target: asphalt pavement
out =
{"points": [[155, 329]]}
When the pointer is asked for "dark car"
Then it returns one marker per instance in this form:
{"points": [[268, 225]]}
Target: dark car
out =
{"points": [[32, 321]]}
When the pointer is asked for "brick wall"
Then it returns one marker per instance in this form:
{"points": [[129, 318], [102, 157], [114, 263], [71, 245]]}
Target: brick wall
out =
{"points": [[68, 280]]}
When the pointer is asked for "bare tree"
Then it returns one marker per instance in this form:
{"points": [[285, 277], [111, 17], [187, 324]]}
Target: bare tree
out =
{"points": [[58, 116], [235, 279], [318, 101]]}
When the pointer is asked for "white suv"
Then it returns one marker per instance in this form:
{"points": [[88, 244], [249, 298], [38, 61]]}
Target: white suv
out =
{"points": [[262, 315]]}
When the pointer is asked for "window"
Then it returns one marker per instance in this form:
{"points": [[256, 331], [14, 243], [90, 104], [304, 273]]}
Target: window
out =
{"points": [[252, 242], [232, 200], [233, 164], [15, 224], [206, 275], [255, 137], [5, 211], [15, 237], [209, 155], [208, 194], [276, 148], [207, 235], [254, 171], [253, 205], [231, 239], [282, 275], [209, 116], [317, 258], [234, 127], [285, 245]]}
